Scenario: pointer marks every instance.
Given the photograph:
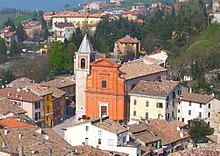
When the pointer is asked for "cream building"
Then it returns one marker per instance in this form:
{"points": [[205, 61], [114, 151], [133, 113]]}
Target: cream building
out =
{"points": [[76, 18], [155, 100]]}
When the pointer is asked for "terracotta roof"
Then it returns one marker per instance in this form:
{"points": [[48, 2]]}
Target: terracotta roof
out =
{"points": [[91, 151], [105, 62], [161, 129], [57, 93], [7, 28], [39, 89], [60, 82], [8, 35], [18, 94], [198, 98], [34, 141], [200, 151], [110, 125], [146, 137], [138, 68], [12, 122], [6, 107], [128, 39], [20, 83], [162, 89]]}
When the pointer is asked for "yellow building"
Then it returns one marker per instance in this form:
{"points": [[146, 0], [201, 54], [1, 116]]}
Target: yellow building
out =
{"points": [[76, 18], [46, 94], [155, 100], [127, 44]]}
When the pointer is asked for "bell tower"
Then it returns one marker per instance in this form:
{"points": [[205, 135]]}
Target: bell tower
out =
{"points": [[84, 56]]}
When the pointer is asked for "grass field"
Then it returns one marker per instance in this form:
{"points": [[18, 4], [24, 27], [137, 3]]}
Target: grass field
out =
{"points": [[17, 19]]}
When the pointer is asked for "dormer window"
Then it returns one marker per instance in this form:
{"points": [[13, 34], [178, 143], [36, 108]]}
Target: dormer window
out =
{"points": [[82, 63]]}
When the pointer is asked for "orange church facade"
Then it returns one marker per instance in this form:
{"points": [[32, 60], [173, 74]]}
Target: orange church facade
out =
{"points": [[105, 93]]}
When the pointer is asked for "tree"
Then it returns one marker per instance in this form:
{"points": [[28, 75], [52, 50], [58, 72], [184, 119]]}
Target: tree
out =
{"points": [[21, 33], [3, 51], [56, 59], [198, 129], [15, 49]]}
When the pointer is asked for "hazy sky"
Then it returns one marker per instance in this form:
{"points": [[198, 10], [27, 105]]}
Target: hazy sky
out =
{"points": [[39, 4]]}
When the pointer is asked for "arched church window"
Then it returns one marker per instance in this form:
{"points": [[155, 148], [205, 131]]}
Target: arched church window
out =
{"points": [[82, 63]]}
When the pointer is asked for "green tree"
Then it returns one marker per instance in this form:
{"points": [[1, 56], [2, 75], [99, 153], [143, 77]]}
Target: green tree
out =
{"points": [[199, 129], [15, 49], [56, 57], [21, 33], [69, 51], [3, 51]]}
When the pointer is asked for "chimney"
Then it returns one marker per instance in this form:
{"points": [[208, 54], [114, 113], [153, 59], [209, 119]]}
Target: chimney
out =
{"points": [[5, 131], [19, 135], [50, 152], [21, 150], [100, 119], [190, 89]]}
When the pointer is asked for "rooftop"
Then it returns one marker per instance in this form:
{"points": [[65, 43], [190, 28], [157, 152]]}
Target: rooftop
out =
{"points": [[138, 68], [7, 107], [110, 125], [197, 98], [162, 89], [60, 82], [20, 83], [18, 94], [157, 129], [128, 39], [12, 122], [86, 46], [38, 89]]}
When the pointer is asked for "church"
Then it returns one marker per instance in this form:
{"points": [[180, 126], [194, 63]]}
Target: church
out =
{"points": [[102, 85]]}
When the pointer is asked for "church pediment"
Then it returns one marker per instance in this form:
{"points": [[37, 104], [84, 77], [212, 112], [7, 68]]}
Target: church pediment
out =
{"points": [[105, 62]]}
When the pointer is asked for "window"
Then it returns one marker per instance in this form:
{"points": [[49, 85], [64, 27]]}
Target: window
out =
{"points": [[190, 104], [37, 115], [209, 106], [200, 105], [173, 103], [134, 113], [182, 119], [189, 112], [172, 114], [159, 105], [135, 101], [167, 98], [87, 128], [173, 95], [168, 116], [111, 142], [99, 141], [99, 133], [209, 114], [124, 139], [178, 110], [167, 105], [103, 83], [209, 123], [147, 103], [82, 63], [37, 105], [179, 92], [178, 118], [200, 114], [146, 115]]}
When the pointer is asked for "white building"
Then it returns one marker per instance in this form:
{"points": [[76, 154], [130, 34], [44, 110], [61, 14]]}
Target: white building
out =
{"points": [[155, 100], [103, 133], [199, 106]]}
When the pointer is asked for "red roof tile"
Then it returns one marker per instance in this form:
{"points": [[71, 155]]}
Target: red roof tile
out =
{"points": [[128, 39], [12, 122]]}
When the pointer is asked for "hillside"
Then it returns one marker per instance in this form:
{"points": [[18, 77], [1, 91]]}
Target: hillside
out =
{"points": [[198, 57]]}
